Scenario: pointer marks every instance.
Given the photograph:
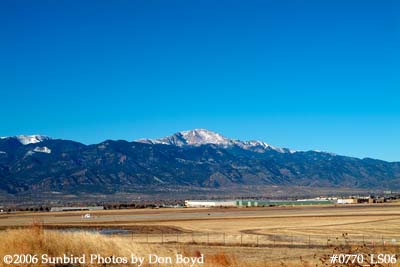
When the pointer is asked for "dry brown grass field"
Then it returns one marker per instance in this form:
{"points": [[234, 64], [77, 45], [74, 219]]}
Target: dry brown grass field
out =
{"points": [[273, 236]]}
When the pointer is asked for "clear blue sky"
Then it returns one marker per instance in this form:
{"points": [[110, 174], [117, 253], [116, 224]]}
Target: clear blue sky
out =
{"points": [[301, 74]]}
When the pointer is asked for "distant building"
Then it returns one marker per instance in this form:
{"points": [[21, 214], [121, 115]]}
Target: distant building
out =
{"points": [[254, 203], [209, 203], [346, 201], [266, 203], [58, 209], [377, 200], [355, 200]]}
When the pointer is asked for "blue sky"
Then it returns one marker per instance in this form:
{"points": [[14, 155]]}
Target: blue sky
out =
{"points": [[301, 74]]}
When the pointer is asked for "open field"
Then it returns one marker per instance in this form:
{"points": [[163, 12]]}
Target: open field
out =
{"points": [[379, 219], [263, 236]]}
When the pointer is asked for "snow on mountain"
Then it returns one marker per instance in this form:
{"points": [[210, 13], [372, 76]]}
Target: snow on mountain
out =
{"points": [[28, 139], [259, 146], [38, 149], [198, 137], [203, 136], [44, 149], [194, 138]]}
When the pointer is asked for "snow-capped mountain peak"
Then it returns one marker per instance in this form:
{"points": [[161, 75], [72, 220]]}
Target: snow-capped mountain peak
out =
{"points": [[28, 139], [194, 137], [198, 137], [203, 136]]}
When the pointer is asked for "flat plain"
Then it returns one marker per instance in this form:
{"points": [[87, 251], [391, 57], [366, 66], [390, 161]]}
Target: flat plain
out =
{"points": [[263, 235], [382, 219]]}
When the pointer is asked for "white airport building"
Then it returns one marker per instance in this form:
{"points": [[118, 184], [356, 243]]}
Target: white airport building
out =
{"points": [[346, 201], [209, 203]]}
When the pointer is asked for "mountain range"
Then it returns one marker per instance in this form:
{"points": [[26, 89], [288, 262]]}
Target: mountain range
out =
{"points": [[197, 158]]}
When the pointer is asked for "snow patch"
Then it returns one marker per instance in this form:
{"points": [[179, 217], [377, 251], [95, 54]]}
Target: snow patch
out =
{"points": [[158, 179], [44, 149], [29, 153], [28, 139], [38, 149]]}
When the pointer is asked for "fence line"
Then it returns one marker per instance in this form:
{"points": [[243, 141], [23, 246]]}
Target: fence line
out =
{"points": [[267, 240]]}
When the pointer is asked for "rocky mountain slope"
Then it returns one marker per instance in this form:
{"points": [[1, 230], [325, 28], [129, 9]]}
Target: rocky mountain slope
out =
{"points": [[197, 158]]}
